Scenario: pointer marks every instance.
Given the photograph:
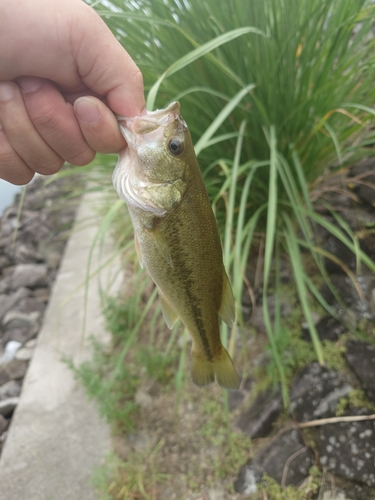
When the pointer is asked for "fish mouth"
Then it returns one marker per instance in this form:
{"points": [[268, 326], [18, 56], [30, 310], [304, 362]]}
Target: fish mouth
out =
{"points": [[142, 125]]}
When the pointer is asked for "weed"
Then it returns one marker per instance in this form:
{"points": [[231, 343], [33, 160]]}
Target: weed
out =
{"points": [[158, 366], [232, 448], [355, 399], [306, 492], [112, 388], [137, 478]]}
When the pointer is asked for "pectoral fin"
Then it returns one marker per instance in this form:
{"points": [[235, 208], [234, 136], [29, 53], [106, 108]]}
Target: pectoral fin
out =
{"points": [[162, 245], [138, 250], [227, 309], [169, 315]]}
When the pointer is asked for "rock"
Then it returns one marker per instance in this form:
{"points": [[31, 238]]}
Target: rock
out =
{"points": [[361, 358], [21, 335], [348, 449], [315, 392], [328, 328], [349, 295], [366, 173], [286, 460], [25, 254], [8, 405], [25, 353], [53, 259], [4, 262], [3, 424], [16, 319], [12, 370], [7, 302], [11, 389], [29, 275], [31, 304], [42, 294], [31, 344], [257, 421], [10, 351]]}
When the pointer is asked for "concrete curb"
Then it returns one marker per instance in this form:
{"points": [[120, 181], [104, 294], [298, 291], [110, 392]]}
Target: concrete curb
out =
{"points": [[57, 437]]}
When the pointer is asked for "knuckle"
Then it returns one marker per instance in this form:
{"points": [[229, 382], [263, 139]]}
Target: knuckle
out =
{"points": [[44, 118], [82, 158], [49, 167]]}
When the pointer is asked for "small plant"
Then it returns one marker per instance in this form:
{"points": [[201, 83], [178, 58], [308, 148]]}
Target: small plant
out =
{"points": [[136, 478], [113, 388]]}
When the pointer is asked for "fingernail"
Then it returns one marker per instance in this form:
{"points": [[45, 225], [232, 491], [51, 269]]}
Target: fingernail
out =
{"points": [[6, 91], [29, 83], [86, 110]]}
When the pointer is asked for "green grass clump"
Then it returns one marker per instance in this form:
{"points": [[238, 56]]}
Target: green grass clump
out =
{"points": [[112, 388], [136, 478], [277, 95], [306, 492]]}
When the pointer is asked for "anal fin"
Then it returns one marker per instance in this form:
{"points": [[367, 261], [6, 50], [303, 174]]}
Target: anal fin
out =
{"points": [[227, 309]]}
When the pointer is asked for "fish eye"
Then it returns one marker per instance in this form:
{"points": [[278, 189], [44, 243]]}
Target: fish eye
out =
{"points": [[176, 146]]}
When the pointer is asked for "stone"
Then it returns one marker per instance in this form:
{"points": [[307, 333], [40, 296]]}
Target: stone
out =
{"points": [[257, 421], [10, 351], [31, 304], [16, 319], [25, 353], [328, 328], [361, 358], [7, 406], [12, 370], [3, 424], [349, 295], [7, 302], [42, 294], [21, 335], [337, 248], [4, 262], [29, 275], [316, 391], [31, 344], [348, 449], [286, 459], [25, 254], [11, 389], [53, 259]]}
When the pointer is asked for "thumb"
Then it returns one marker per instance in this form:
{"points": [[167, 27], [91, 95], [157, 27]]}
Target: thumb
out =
{"points": [[108, 70]]}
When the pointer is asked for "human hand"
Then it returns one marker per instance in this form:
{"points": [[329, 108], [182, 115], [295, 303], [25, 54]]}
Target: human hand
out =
{"points": [[62, 76]]}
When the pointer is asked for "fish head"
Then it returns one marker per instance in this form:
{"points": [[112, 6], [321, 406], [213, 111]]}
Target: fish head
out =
{"points": [[161, 142], [152, 170]]}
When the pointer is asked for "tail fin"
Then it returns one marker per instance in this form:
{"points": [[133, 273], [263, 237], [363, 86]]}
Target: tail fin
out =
{"points": [[203, 372]]}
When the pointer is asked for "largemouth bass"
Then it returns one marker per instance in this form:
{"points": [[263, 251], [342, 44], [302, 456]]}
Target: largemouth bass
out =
{"points": [[176, 235]]}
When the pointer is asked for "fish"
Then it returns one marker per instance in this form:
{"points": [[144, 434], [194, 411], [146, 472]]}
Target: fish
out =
{"points": [[176, 235]]}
